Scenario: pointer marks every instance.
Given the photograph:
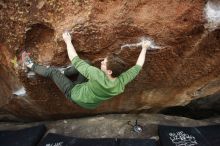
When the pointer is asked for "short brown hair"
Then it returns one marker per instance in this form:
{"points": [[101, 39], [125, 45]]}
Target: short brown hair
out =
{"points": [[115, 64]]}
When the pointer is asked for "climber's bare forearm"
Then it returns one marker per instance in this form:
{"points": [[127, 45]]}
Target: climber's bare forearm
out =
{"points": [[141, 58], [71, 50]]}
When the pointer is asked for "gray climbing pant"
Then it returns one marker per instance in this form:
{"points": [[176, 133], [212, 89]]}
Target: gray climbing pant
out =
{"points": [[61, 79]]}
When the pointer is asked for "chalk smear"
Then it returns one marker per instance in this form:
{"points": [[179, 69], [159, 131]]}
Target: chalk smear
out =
{"points": [[20, 92], [212, 13]]}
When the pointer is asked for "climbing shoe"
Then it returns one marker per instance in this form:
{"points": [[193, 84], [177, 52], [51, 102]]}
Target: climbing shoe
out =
{"points": [[26, 59]]}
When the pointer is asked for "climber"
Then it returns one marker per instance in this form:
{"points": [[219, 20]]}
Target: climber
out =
{"points": [[92, 86]]}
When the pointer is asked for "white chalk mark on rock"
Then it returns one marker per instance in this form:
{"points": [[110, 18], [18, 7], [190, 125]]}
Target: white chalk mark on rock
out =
{"points": [[212, 12], [20, 92]]}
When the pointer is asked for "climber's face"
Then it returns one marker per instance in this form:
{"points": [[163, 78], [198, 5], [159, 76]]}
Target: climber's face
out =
{"points": [[104, 64], [104, 67]]}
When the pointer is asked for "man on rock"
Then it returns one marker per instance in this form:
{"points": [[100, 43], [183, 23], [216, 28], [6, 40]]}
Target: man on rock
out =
{"points": [[93, 85]]}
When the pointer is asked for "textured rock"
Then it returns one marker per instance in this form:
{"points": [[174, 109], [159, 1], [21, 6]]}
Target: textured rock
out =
{"points": [[186, 69]]}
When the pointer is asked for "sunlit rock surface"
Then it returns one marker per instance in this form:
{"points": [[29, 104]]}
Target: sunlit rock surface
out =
{"points": [[187, 67]]}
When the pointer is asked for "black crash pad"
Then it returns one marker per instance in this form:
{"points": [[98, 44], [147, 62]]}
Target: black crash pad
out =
{"points": [[137, 142], [211, 133], [60, 140], [189, 136], [24, 137]]}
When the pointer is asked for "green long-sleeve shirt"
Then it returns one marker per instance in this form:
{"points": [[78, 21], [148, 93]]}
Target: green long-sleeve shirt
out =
{"points": [[99, 87]]}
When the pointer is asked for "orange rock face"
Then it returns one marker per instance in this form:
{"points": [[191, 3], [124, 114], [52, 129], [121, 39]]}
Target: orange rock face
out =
{"points": [[185, 69]]}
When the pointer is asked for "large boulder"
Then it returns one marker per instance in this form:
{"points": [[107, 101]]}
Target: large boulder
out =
{"points": [[187, 67]]}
